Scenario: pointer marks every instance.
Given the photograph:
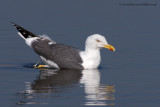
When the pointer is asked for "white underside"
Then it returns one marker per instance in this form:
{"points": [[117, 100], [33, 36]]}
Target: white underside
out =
{"points": [[91, 59], [30, 40], [21, 35], [49, 63]]}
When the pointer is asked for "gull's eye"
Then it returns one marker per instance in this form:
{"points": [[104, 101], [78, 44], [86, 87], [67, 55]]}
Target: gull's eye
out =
{"points": [[98, 40]]}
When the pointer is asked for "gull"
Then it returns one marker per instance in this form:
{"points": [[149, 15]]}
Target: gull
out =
{"points": [[60, 56]]}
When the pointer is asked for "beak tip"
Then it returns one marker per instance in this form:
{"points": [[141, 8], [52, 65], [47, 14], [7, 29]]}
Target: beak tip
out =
{"points": [[112, 49]]}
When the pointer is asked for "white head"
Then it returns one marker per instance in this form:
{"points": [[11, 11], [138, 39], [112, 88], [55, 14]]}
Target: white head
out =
{"points": [[97, 41]]}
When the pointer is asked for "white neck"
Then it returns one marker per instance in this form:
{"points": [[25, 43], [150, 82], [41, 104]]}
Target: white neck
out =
{"points": [[91, 57]]}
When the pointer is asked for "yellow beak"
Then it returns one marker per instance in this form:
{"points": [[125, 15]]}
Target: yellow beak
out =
{"points": [[110, 47]]}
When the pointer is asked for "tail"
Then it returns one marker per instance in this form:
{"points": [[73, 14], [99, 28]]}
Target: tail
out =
{"points": [[23, 32]]}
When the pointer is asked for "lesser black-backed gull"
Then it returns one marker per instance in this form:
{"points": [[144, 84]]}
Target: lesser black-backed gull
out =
{"points": [[56, 55]]}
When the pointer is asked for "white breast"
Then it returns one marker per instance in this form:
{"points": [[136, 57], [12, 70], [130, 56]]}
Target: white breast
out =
{"points": [[91, 60]]}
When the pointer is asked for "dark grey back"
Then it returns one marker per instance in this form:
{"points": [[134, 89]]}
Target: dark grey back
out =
{"points": [[65, 57]]}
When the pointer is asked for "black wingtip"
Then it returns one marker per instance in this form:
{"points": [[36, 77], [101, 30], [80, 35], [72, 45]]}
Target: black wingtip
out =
{"points": [[13, 23], [25, 33]]}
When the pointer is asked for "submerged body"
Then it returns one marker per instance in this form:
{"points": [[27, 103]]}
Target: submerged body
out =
{"points": [[61, 56]]}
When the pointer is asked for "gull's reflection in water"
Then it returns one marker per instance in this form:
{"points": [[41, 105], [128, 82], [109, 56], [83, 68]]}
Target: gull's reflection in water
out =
{"points": [[50, 82], [96, 93]]}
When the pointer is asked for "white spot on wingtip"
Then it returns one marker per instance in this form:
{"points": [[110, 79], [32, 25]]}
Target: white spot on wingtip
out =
{"points": [[19, 29]]}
